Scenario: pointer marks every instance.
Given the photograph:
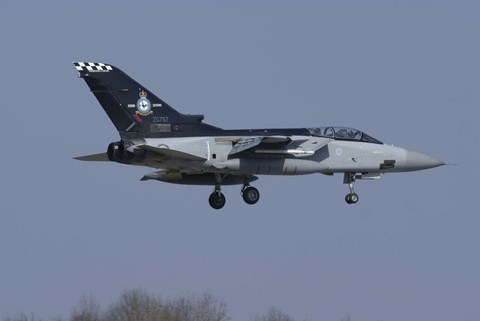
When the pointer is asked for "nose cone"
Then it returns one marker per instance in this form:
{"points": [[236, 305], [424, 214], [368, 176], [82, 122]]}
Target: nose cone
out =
{"points": [[416, 161]]}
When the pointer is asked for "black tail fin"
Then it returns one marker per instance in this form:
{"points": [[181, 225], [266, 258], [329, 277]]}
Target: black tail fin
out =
{"points": [[133, 109]]}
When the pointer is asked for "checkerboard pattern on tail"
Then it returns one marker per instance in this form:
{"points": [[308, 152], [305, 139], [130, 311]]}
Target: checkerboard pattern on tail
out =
{"points": [[92, 66]]}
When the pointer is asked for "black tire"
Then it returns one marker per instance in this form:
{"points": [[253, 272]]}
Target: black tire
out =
{"points": [[251, 195], [217, 200], [347, 199]]}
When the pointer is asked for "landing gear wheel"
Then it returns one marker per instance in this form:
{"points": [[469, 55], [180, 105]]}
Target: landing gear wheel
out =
{"points": [[251, 195], [351, 198], [217, 200]]}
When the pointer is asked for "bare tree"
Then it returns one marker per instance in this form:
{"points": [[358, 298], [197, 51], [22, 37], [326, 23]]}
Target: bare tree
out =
{"points": [[22, 317], [199, 308], [274, 314], [88, 310], [138, 305]]}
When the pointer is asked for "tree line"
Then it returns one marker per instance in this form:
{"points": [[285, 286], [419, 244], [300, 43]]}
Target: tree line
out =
{"points": [[139, 305]]}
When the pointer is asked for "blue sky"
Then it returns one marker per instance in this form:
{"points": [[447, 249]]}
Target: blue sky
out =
{"points": [[406, 72]]}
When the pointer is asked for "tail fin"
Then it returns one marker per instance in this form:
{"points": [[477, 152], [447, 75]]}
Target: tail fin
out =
{"points": [[133, 109]]}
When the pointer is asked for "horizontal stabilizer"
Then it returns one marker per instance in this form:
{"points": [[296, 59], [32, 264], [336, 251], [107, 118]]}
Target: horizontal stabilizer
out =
{"points": [[94, 158]]}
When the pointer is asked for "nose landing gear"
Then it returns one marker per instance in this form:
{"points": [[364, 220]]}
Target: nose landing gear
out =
{"points": [[352, 197]]}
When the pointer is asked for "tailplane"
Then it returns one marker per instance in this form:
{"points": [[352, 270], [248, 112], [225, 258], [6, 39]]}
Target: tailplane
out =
{"points": [[134, 110]]}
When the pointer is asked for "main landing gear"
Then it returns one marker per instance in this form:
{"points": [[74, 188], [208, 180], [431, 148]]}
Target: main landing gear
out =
{"points": [[250, 194], [352, 197], [217, 200]]}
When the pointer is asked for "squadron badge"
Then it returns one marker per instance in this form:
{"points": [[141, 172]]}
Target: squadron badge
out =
{"points": [[144, 107]]}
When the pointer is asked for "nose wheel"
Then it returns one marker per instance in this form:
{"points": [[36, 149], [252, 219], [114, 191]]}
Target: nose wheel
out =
{"points": [[352, 197]]}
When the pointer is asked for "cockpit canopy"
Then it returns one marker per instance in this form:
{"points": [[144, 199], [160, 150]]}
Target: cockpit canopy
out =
{"points": [[343, 133]]}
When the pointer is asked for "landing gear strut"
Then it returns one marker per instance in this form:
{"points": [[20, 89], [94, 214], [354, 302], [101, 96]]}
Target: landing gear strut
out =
{"points": [[349, 179]]}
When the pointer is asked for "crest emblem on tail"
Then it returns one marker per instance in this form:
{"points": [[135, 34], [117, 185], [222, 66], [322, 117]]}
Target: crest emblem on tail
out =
{"points": [[144, 107]]}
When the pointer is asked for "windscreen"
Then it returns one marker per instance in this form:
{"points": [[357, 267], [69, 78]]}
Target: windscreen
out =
{"points": [[343, 133]]}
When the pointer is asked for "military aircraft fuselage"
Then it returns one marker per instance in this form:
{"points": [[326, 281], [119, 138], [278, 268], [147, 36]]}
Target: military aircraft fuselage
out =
{"points": [[184, 150], [289, 154], [303, 155]]}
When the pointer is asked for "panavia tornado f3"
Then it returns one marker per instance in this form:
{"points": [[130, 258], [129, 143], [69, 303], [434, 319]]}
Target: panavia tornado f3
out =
{"points": [[185, 150]]}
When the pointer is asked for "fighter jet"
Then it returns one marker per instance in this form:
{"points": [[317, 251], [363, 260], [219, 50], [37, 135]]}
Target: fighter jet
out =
{"points": [[185, 150]]}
